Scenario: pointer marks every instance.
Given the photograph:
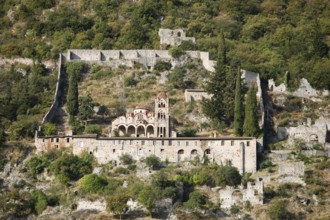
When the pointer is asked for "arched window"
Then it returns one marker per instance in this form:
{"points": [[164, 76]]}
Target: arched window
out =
{"points": [[207, 151], [181, 151], [194, 152]]}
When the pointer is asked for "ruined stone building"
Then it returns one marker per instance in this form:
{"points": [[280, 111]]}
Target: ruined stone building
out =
{"points": [[173, 37], [305, 90], [196, 95], [144, 123], [317, 133], [254, 193]]}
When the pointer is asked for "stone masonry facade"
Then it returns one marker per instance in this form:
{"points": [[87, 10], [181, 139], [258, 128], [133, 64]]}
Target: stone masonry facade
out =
{"points": [[240, 152], [173, 37]]}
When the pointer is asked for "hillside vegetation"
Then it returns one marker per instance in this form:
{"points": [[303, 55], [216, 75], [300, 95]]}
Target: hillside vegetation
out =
{"points": [[269, 36]]}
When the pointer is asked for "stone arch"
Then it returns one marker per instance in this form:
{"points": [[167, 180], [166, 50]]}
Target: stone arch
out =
{"points": [[194, 152], [121, 130], [150, 131], [180, 155], [131, 131], [140, 131], [207, 151]]}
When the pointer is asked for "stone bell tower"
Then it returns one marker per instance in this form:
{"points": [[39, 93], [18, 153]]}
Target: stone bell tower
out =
{"points": [[162, 115]]}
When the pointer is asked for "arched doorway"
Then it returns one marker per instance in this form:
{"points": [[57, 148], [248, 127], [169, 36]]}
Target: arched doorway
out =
{"points": [[207, 151], [121, 130], [180, 155], [150, 131], [131, 131], [140, 131]]}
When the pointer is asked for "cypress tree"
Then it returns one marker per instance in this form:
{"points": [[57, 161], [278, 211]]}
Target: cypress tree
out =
{"points": [[251, 126], [214, 108], [238, 112], [72, 97]]}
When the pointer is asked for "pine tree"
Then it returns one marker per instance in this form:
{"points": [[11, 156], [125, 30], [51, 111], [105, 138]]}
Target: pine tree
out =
{"points": [[238, 112], [72, 97], [251, 126]]}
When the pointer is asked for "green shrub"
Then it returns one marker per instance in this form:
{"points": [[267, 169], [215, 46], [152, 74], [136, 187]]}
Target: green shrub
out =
{"points": [[188, 132], [227, 175], [130, 82], [126, 159], [176, 52], [278, 210], [147, 197], [36, 165], [92, 183], [176, 77], [202, 177], [69, 167], [39, 201], [266, 164], [131, 167], [49, 129], [117, 203], [152, 161], [113, 185], [162, 66], [121, 170], [196, 201], [160, 180], [93, 129]]}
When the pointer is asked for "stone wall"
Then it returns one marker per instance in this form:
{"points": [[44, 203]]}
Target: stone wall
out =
{"points": [[53, 109], [148, 58], [196, 95], [292, 168], [254, 192], [241, 152], [173, 37]]}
